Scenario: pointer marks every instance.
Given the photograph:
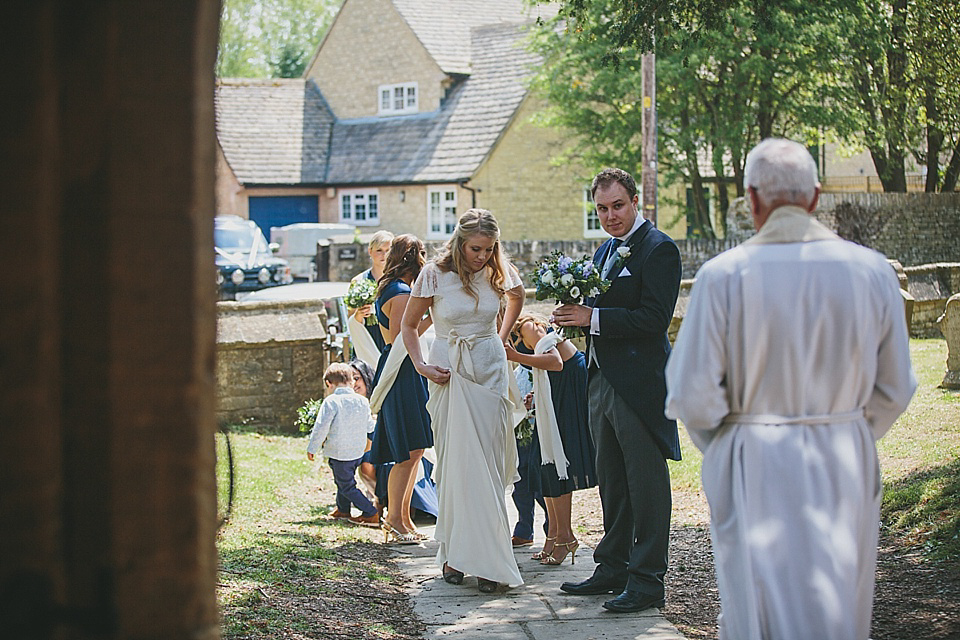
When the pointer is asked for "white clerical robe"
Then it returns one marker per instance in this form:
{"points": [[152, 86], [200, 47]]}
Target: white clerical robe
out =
{"points": [[793, 358]]}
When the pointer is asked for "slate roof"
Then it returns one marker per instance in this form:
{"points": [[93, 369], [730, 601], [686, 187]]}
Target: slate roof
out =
{"points": [[444, 26], [280, 132], [447, 145], [274, 131]]}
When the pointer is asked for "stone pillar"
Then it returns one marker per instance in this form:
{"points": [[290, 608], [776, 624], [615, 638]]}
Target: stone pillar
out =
{"points": [[107, 487], [949, 324]]}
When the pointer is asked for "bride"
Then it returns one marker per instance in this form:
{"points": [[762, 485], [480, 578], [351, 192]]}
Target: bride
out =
{"points": [[470, 409]]}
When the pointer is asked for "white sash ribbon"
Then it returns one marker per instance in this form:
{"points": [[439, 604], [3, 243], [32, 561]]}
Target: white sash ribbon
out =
{"points": [[551, 446], [363, 343], [389, 374]]}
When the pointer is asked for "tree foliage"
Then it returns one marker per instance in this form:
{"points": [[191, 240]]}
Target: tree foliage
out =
{"points": [[270, 38], [890, 71], [768, 68]]}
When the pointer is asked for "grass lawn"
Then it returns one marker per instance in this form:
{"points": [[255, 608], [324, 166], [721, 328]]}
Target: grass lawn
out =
{"points": [[919, 458], [288, 571]]}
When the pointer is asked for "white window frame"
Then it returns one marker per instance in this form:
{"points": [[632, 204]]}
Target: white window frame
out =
{"points": [[591, 221], [442, 216], [407, 93], [362, 203]]}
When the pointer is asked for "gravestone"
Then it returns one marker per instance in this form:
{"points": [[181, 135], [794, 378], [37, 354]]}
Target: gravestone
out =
{"points": [[949, 324]]}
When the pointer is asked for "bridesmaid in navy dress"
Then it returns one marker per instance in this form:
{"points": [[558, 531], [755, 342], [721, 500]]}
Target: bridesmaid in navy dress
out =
{"points": [[567, 371], [403, 424], [378, 249]]}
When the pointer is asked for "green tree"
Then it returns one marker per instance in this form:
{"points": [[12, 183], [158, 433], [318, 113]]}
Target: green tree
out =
{"points": [[898, 78], [717, 95], [271, 38]]}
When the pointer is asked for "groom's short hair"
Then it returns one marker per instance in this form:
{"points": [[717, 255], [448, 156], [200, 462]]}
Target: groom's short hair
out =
{"points": [[610, 175]]}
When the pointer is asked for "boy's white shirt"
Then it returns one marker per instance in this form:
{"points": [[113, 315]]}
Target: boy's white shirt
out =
{"points": [[342, 425]]}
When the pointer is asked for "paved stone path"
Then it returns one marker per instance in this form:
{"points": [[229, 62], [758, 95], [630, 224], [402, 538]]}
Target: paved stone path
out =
{"points": [[537, 610]]}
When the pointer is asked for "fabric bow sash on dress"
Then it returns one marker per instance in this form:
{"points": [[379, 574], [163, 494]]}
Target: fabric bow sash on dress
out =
{"points": [[551, 446]]}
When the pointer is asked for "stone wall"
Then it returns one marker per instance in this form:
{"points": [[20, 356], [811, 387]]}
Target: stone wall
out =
{"points": [[931, 285], [270, 360], [914, 228]]}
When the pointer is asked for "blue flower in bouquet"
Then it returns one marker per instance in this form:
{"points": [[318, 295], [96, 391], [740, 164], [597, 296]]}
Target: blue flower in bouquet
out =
{"points": [[362, 292], [568, 281]]}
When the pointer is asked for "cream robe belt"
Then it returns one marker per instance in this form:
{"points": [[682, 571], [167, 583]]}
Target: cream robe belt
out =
{"points": [[771, 419]]}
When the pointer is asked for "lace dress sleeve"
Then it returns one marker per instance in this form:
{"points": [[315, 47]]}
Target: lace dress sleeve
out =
{"points": [[427, 283], [511, 277]]}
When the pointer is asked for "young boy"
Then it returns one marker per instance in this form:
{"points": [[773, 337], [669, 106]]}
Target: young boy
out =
{"points": [[341, 430]]}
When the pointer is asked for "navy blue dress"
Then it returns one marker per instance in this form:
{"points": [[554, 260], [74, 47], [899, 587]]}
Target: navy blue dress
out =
{"points": [[403, 424], [569, 390]]}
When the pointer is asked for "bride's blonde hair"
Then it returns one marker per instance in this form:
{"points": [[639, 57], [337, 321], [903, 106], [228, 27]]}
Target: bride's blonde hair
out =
{"points": [[474, 222]]}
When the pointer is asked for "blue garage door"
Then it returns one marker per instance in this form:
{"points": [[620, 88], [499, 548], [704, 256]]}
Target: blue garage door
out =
{"points": [[279, 211]]}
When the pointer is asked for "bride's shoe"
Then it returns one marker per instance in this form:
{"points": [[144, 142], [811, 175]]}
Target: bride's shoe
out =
{"points": [[571, 548], [543, 553], [451, 575], [487, 586], [394, 536]]}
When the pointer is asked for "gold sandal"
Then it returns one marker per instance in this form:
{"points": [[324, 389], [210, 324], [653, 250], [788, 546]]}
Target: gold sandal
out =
{"points": [[540, 555], [571, 548], [393, 536]]}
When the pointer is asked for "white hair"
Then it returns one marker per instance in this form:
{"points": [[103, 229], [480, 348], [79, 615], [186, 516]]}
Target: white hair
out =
{"points": [[781, 170]]}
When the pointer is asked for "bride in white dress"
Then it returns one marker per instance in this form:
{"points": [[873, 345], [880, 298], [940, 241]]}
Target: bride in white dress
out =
{"points": [[470, 409]]}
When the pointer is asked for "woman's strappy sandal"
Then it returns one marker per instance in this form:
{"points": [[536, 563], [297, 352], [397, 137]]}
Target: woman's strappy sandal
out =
{"points": [[540, 555], [392, 536], [571, 548]]}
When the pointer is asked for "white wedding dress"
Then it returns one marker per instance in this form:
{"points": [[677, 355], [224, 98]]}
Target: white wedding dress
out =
{"points": [[473, 419]]}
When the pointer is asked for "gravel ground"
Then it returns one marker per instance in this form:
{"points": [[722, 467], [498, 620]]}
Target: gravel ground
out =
{"points": [[913, 599]]}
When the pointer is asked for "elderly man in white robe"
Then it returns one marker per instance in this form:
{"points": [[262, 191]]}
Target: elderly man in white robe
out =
{"points": [[792, 360]]}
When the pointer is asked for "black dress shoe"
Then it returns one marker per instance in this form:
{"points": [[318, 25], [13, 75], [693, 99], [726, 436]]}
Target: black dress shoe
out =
{"points": [[594, 585], [630, 601]]}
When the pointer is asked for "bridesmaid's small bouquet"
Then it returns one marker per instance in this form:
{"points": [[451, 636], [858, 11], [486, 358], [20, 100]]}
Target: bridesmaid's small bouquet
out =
{"points": [[307, 415], [362, 291], [568, 281]]}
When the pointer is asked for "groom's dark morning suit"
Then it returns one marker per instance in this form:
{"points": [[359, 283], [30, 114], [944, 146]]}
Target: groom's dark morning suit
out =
{"points": [[626, 397]]}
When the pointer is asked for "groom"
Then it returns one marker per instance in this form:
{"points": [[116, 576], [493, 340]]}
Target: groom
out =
{"points": [[627, 349]]}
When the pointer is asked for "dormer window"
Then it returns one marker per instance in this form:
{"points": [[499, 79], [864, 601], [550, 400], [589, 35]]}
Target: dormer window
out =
{"points": [[397, 99]]}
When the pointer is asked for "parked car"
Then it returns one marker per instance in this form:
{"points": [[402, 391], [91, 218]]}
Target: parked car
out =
{"points": [[245, 262]]}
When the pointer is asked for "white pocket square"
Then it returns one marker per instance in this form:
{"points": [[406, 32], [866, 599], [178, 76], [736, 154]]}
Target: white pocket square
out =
{"points": [[623, 273]]}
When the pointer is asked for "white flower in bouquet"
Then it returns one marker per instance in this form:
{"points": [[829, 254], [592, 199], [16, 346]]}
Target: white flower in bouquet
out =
{"points": [[362, 292], [564, 279]]}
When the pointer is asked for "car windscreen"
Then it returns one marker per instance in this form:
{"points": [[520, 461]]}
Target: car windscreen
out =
{"points": [[239, 239]]}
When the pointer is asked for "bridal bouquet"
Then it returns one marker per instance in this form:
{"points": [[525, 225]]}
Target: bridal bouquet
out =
{"points": [[362, 291], [568, 281]]}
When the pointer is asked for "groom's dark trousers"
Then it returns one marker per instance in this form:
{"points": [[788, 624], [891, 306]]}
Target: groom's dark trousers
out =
{"points": [[626, 394]]}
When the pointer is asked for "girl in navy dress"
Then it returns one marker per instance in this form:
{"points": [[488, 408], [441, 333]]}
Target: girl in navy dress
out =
{"points": [[567, 447], [378, 249], [400, 393]]}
